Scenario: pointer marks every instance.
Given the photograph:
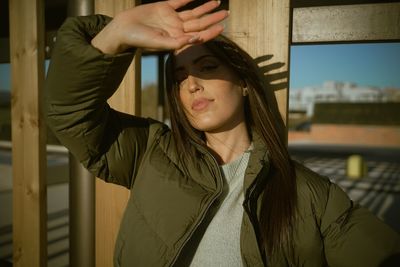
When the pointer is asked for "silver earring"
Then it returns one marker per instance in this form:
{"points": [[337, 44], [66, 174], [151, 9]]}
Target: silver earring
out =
{"points": [[245, 91]]}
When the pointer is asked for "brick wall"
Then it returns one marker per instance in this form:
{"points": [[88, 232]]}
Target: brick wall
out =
{"points": [[370, 135]]}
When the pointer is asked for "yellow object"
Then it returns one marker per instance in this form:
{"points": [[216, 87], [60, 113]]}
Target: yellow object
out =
{"points": [[356, 167]]}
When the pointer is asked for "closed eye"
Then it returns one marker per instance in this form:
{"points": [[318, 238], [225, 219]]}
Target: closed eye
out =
{"points": [[207, 68]]}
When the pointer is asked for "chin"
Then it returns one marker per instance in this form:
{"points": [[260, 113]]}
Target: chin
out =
{"points": [[204, 127]]}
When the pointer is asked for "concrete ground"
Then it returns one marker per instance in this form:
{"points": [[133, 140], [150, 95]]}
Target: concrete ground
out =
{"points": [[57, 208]]}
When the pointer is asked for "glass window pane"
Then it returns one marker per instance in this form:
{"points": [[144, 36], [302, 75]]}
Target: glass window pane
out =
{"points": [[344, 119]]}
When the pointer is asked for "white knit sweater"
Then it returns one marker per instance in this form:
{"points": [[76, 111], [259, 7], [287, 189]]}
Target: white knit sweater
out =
{"points": [[220, 244]]}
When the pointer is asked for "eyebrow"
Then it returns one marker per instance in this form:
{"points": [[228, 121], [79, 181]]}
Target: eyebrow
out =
{"points": [[196, 60]]}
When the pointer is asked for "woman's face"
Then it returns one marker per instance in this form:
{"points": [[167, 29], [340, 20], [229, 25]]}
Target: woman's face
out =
{"points": [[210, 92]]}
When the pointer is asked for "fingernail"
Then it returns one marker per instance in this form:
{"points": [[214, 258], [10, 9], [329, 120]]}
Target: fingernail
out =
{"points": [[219, 2]]}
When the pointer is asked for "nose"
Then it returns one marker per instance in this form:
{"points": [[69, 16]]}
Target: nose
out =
{"points": [[194, 84]]}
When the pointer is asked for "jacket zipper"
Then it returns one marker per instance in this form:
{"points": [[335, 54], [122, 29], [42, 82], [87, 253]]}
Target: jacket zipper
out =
{"points": [[203, 212], [253, 218]]}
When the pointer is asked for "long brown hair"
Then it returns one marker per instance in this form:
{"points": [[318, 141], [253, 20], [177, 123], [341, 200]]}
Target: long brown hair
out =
{"points": [[279, 195]]}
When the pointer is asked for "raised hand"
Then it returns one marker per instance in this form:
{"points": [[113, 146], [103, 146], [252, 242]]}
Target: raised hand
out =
{"points": [[158, 26]]}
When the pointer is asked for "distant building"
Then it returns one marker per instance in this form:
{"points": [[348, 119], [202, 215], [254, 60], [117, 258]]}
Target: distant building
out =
{"points": [[333, 91]]}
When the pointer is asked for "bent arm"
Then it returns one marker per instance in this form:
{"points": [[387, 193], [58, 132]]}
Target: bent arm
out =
{"points": [[79, 82], [89, 60]]}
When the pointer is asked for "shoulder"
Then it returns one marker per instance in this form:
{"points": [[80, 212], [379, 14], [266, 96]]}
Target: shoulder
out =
{"points": [[318, 196], [310, 181], [325, 200], [312, 190]]}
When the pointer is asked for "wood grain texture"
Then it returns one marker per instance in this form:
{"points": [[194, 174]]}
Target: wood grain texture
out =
{"points": [[372, 22], [28, 133], [111, 199], [262, 28]]}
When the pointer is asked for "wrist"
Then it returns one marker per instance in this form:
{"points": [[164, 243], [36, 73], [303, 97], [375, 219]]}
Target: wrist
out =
{"points": [[105, 47], [107, 41]]}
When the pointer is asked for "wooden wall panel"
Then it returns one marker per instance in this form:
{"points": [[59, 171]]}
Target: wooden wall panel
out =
{"points": [[111, 199], [28, 133], [262, 28], [374, 22]]}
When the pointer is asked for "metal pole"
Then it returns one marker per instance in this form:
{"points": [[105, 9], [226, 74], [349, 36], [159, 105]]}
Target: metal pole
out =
{"points": [[80, 7], [81, 187]]}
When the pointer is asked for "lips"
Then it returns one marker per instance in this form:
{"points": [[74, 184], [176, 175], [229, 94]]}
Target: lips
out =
{"points": [[200, 104]]}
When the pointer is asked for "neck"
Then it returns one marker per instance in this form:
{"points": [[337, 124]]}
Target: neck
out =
{"points": [[228, 145]]}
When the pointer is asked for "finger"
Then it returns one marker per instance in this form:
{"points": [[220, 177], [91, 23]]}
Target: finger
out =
{"points": [[175, 4], [199, 11], [210, 33], [204, 22], [170, 43]]}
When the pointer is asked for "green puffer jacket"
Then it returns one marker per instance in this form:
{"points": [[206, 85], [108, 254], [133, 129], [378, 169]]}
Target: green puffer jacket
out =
{"points": [[166, 206]]}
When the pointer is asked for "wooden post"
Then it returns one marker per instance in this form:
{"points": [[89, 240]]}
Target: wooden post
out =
{"points": [[262, 28], [111, 199], [28, 133]]}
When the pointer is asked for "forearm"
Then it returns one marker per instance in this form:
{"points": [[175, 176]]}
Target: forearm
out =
{"points": [[80, 80]]}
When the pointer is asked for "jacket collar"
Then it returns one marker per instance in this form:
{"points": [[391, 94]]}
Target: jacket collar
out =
{"points": [[258, 160]]}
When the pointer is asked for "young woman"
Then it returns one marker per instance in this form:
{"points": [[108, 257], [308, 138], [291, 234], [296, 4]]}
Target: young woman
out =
{"points": [[218, 188]]}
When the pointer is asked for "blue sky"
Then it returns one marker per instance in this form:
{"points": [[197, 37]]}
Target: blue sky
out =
{"points": [[365, 64], [149, 71], [311, 65]]}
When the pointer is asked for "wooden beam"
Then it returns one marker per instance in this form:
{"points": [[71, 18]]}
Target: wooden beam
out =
{"points": [[28, 133], [111, 199], [261, 27], [372, 22], [309, 3]]}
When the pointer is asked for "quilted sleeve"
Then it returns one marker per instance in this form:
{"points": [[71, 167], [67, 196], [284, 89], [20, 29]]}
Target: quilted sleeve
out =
{"points": [[353, 236], [80, 79]]}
